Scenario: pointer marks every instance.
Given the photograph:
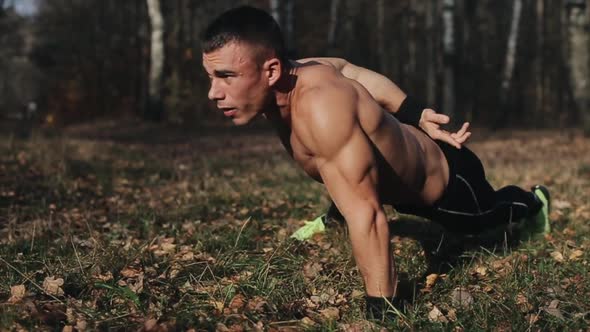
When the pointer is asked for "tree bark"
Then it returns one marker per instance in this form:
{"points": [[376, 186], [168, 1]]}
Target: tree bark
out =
{"points": [[381, 57], [449, 56], [509, 63], [275, 11], [156, 106], [579, 59], [290, 27], [333, 25]]}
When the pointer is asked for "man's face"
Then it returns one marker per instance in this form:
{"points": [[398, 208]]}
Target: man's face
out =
{"points": [[238, 85]]}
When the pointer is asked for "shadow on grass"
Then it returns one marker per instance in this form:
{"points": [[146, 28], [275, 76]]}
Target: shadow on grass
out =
{"points": [[445, 250]]}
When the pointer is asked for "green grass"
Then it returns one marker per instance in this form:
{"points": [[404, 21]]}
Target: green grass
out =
{"points": [[196, 235]]}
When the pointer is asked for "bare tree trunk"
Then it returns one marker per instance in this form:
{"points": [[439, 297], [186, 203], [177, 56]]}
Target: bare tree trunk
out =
{"points": [[381, 57], [275, 11], [449, 56], [155, 107], [579, 59], [540, 58], [430, 49], [333, 26], [509, 62], [290, 27]]}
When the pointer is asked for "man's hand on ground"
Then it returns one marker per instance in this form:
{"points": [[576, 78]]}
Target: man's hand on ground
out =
{"points": [[430, 122]]}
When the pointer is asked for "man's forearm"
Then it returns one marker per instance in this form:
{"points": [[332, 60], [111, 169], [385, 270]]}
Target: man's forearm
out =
{"points": [[371, 249]]}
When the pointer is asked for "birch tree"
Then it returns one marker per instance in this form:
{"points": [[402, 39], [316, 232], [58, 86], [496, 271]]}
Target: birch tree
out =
{"points": [[448, 16], [333, 25], [275, 10], [579, 58], [510, 61], [155, 105]]}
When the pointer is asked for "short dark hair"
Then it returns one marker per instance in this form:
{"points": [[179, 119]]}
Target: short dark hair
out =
{"points": [[244, 24]]}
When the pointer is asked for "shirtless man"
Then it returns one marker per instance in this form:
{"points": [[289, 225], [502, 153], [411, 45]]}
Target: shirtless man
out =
{"points": [[334, 119]]}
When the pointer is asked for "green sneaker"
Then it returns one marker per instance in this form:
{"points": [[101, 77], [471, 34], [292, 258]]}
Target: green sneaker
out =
{"points": [[538, 225], [310, 229]]}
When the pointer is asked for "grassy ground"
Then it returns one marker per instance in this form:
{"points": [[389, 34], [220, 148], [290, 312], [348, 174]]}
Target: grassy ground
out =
{"points": [[103, 234]]}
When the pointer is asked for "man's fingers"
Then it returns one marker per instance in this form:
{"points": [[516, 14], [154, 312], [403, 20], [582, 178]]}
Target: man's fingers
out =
{"points": [[463, 129], [448, 139], [463, 138], [430, 115]]}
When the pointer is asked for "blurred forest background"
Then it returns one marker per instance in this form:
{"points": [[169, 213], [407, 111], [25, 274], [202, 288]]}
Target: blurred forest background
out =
{"points": [[497, 63]]}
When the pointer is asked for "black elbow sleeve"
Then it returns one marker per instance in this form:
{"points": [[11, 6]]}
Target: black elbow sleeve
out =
{"points": [[410, 112]]}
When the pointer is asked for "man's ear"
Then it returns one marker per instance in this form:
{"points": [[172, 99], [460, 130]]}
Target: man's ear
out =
{"points": [[273, 69]]}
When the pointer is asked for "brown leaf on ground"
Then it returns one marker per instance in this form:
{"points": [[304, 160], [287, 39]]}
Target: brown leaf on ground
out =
{"points": [[362, 326], [17, 293], [129, 272], [331, 313], [257, 304], [312, 269], [553, 310], [461, 297], [237, 303], [481, 271], [431, 280], [523, 303], [557, 256], [104, 277], [532, 318], [436, 316], [576, 254], [150, 324], [307, 322], [52, 286]]}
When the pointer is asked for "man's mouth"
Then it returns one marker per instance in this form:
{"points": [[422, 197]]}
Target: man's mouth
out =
{"points": [[228, 111]]}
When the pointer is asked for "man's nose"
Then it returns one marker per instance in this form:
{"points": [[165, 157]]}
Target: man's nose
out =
{"points": [[214, 92]]}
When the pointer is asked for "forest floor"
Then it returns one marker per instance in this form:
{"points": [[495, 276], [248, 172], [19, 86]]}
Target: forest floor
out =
{"points": [[160, 230]]}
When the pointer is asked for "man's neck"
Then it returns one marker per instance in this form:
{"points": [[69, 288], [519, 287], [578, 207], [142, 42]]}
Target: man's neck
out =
{"points": [[279, 113]]}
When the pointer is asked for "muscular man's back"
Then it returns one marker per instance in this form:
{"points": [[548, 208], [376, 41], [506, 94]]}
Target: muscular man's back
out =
{"points": [[411, 167]]}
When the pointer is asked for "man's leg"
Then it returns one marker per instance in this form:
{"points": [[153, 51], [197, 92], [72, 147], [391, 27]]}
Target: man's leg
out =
{"points": [[471, 205]]}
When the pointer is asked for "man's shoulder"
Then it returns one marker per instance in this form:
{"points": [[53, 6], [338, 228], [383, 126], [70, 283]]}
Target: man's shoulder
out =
{"points": [[320, 85]]}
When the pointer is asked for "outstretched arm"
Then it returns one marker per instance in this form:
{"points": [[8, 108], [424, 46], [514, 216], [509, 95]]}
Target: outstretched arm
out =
{"points": [[347, 166], [393, 99]]}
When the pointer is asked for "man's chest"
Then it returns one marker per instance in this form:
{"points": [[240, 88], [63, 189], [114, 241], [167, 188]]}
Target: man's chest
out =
{"points": [[301, 154]]}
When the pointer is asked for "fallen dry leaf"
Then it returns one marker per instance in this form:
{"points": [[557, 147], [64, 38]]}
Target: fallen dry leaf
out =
{"points": [[557, 256], [553, 310], [129, 272], [150, 324], [104, 277], [560, 204], [257, 304], [52, 286], [481, 271], [461, 297], [436, 316], [576, 254], [81, 325], [431, 280], [357, 294], [17, 293], [238, 302], [532, 318], [523, 303], [331, 313], [312, 269], [306, 321]]}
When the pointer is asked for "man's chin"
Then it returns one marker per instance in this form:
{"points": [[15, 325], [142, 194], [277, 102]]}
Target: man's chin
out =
{"points": [[239, 121]]}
